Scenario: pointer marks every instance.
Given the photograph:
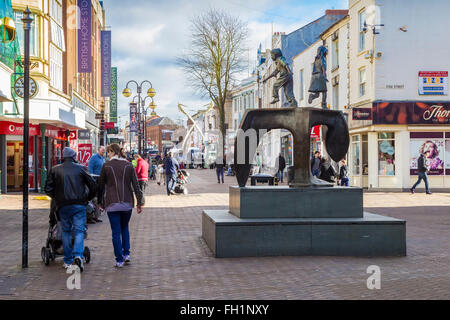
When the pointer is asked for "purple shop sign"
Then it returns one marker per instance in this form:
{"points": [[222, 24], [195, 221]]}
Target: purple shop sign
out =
{"points": [[106, 63], [84, 36]]}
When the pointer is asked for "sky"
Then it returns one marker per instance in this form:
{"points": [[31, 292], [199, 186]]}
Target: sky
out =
{"points": [[148, 36]]}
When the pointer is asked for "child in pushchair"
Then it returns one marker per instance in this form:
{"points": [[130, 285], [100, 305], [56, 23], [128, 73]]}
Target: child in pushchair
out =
{"points": [[182, 180], [53, 245]]}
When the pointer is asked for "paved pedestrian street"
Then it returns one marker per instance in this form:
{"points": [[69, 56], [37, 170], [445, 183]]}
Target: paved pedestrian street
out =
{"points": [[170, 260]]}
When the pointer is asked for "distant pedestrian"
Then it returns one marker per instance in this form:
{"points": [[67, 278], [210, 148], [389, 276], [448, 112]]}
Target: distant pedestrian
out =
{"points": [[134, 161], [327, 171], [71, 187], [142, 172], [315, 164], [423, 168], [97, 161], [343, 173], [280, 165], [171, 167], [219, 164], [116, 185]]}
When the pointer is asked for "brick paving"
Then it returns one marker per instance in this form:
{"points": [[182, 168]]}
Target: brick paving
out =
{"points": [[171, 261]]}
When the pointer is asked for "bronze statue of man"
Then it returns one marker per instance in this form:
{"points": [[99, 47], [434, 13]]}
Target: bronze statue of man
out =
{"points": [[284, 79], [319, 77]]}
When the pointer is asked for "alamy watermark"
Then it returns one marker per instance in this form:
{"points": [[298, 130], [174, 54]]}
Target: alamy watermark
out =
{"points": [[74, 280], [374, 281]]}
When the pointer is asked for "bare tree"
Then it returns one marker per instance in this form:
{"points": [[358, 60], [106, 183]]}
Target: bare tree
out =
{"points": [[215, 57]]}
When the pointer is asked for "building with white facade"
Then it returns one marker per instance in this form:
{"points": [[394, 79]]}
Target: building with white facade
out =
{"points": [[398, 92]]}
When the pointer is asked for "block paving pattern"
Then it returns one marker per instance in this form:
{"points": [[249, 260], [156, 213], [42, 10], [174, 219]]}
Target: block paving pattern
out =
{"points": [[170, 260]]}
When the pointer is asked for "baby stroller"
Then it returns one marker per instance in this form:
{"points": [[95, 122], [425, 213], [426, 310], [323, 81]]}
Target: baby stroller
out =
{"points": [[53, 245], [182, 180]]}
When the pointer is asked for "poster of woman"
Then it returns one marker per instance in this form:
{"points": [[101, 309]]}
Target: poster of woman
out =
{"points": [[434, 161], [447, 157]]}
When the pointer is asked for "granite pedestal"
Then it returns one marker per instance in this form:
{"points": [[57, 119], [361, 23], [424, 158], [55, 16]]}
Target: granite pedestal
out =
{"points": [[283, 221]]}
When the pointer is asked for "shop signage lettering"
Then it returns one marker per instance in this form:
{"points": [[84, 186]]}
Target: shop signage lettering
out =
{"points": [[106, 63], [84, 153], [13, 128], [433, 82], [362, 114], [411, 113], [84, 37]]}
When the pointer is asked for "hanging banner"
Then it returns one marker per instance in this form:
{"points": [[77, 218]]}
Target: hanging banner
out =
{"points": [[113, 100], [84, 36], [105, 40], [133, 114]]}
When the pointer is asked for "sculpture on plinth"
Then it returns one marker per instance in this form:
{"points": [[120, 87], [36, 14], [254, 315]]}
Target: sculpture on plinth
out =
{"points": [[284, 79], [319, 77], [299, 122]]}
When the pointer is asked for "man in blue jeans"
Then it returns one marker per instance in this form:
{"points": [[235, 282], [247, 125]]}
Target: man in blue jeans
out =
{"points": [[71, 186], [171, 166], [422, 172]]}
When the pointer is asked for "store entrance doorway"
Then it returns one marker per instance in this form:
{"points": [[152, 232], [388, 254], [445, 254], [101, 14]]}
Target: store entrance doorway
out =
{"points": [[14, 158]]}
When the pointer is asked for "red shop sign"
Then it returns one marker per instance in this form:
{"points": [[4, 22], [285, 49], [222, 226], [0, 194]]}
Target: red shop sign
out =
{"points": [[55, 132], [109, 125], [315, 132], [84, 153], [15, 128]]}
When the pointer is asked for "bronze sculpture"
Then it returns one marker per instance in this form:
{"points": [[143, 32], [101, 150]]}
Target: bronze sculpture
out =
{"points": [[299, 122], [284, 80], [319, 77]]}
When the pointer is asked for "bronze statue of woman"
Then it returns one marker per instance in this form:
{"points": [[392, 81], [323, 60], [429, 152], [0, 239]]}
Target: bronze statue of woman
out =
{"points": [[319, 77]]}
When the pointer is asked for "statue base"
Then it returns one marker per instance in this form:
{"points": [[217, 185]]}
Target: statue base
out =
{"points": [[277, 221]]}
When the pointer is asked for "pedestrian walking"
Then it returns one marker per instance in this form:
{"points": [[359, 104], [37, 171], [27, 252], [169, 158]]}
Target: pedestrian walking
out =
{"points": [[171, 167], [142, 172], [280, 165], [116, 185], [97, 161], [315, 164], [71, 187], [343, 173], [219, 164], [327, 172], [423, 168]]}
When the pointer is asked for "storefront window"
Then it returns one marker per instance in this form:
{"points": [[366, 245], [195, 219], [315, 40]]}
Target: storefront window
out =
{"points": [[386, 154], [356, 155], [364, 156]]}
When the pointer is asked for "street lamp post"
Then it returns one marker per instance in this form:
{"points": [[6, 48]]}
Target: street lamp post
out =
{"points": [[150, 93], [27, 20]]}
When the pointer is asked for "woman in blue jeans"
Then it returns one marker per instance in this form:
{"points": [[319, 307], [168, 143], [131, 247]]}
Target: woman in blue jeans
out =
{"points": [[116, 185]]}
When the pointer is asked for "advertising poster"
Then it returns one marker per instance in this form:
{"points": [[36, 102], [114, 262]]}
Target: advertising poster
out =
{"points": [[84, 153], [447, 157], [433, 83], [435, 160]]}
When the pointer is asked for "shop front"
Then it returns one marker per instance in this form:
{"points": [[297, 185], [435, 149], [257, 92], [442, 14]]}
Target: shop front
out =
{"points": [[11, 153], [383, 153]]}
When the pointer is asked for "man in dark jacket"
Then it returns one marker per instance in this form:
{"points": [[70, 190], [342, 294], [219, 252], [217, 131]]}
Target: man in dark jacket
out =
{"points": [[171, 166], [219, 164], [327, 171], [343, 173], [423, 169], [280, 164], [71, 186], [315, 164]]}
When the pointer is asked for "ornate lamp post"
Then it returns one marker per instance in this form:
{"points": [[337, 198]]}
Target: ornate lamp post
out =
{"points": [[27, 20], [150, 93]]}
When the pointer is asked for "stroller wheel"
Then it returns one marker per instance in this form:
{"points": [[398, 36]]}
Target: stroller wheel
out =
{"points": [[45, 254], [87, 254]]}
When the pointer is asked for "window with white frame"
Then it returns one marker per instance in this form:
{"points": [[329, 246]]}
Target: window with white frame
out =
{"points": [[302, 86], [33, 33], [386, 154], [362, 82], [336, 96], [362, 33], [56, 67], [335, 53], [55, 8]]}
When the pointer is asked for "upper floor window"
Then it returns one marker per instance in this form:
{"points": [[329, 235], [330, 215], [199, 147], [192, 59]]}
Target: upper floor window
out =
{"points": [[362, 82], [33, 33], [55, 8], [335, 54], [362, 33]]}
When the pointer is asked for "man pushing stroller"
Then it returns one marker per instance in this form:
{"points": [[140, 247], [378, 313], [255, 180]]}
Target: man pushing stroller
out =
{"points": [[71, 187]]}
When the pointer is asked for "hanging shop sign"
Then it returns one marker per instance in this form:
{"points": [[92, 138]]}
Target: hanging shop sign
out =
{"points": [[84, 36], [84, 134], [109, 125], [133, 114], [113, 100], [411, 113], [105, 40], [315, 132], [433, 83], [361, 114]]}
